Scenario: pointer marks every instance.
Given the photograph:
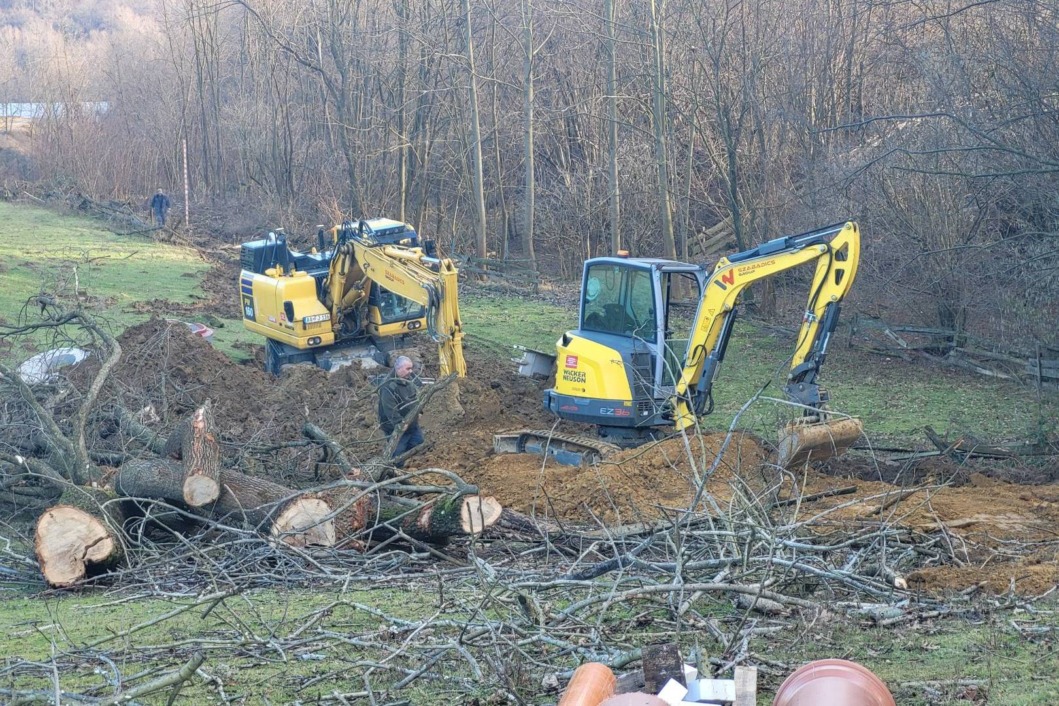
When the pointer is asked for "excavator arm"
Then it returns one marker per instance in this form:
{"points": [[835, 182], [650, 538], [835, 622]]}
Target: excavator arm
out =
{"points": [[836, 252], [407, 272]]}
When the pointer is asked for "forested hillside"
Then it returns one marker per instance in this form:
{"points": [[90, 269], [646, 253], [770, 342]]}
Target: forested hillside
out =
{"points": [[552, 130]]}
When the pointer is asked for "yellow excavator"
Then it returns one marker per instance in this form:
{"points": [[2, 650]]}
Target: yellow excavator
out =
{"points": [[363, 288], [644, 359]]}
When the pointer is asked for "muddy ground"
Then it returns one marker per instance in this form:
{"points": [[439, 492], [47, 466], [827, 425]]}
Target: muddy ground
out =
{"points": [[1003, 530]]}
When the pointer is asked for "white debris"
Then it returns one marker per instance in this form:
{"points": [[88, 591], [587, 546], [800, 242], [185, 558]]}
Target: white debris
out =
{"points": [[44, 367]]}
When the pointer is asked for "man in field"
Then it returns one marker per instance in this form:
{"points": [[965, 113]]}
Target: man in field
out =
{"points": [[160, 207], [397, 400]]}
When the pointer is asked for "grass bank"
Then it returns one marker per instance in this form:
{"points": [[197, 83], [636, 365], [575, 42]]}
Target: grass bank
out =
{"points": [[305, 646]]}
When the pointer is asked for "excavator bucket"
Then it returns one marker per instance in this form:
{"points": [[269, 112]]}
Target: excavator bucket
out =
{"points": [[803, 440]]}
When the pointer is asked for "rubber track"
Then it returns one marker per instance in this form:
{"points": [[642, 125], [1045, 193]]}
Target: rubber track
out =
{"points": [[584, 443]]}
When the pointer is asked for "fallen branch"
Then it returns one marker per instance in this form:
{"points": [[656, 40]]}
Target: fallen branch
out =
{"points": [[175, 679], [128, 423], [334, 453]]}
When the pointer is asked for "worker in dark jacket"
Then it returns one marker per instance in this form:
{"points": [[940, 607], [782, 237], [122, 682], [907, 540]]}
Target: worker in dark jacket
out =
{"points": [[160, 207], [397, 399]]}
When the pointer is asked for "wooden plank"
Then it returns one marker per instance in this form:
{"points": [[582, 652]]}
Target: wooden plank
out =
{"points": [[745, 686], [925, 331], [1048, 369], [890, 352], [712, 241], [872, 322], [991, 355], [895, 338], [660, 664]]}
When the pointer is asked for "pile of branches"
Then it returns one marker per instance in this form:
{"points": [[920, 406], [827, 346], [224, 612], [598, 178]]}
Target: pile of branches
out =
{"points": [[88, 517], [183, 522], [517, 608]]}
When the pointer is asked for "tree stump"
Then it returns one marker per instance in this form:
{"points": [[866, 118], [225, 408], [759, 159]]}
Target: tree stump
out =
{"points": [[79, 537]]}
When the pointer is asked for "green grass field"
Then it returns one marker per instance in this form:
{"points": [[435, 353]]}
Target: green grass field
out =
{"points": [[74, 257], [256, 645]]}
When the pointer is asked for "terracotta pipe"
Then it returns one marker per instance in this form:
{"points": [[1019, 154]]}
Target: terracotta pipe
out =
{"points": [[591, 684], [833, 682]]}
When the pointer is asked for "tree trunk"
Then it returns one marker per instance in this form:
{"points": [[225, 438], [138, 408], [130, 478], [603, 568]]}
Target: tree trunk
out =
{"points": [[614, 192], [658, 91], [202, 459], [78, 537], [481, 242], [339, 517], [296, 519], [366, 516], [528, 141]]}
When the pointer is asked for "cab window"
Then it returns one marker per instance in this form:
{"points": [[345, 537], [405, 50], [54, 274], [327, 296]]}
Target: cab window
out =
{"points": [[619, 300], [393, 307]]}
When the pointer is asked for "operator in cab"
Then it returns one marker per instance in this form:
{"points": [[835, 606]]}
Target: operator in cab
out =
{"points": [[398, 395]]}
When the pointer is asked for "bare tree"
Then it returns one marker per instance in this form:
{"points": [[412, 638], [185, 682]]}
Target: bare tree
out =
{"points": [[475, 145]]}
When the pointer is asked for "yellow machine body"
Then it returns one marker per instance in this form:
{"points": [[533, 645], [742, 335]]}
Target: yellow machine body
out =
{"points": [[365, 283], [635, 368]]}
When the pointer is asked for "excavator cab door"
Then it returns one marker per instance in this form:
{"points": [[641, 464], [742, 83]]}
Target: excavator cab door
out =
{"points": [[653, 303], [680, 291]]}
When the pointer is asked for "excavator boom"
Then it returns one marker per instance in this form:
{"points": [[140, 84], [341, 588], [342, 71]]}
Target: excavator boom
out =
{"points": [[430, 282]]}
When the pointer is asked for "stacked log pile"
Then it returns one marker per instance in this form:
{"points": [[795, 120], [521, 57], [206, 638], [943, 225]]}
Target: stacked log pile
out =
{"points": [[82, 534]]}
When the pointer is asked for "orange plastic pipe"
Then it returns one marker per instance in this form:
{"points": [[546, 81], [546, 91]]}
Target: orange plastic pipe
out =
{"points": [[591, 684], [833, 682]]}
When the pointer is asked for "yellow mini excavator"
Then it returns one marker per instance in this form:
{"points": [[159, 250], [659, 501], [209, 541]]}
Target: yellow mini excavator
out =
{"points": [[642, 364], [362, 288]]}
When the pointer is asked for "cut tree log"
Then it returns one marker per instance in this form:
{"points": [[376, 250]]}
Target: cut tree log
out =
{"points": [[438, 519], [295, 518], [360, 517], [365, 516], [345, 517], [201, 456], [79, 537]]}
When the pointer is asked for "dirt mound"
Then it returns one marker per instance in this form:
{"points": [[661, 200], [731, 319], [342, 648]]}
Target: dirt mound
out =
{"points": [[639, 485], [167, 368]]}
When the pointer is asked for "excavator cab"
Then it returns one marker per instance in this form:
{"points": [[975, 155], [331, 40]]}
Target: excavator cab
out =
{"points": [[638, 310]]}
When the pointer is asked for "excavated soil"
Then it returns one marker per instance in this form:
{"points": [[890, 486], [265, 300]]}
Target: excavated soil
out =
{"points": [[165, 372]]}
